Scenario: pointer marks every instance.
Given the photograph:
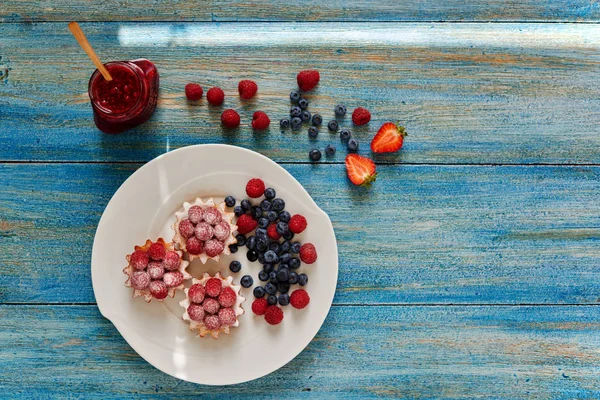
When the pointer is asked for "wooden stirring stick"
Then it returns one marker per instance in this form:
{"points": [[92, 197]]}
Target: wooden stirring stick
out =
{"points": [[85, 45]]}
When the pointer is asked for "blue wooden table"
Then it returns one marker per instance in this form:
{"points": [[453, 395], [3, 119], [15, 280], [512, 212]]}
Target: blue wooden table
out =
{"points": [[470, 268]]}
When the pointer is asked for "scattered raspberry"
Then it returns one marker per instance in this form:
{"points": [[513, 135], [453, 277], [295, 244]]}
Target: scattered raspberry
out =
{"points": [[171, 261], [173, 279], [204, 231], [212, 322], [260, 306], [196, 293], [247, 89], [213, 247], [222, 230], [255, 188], [260, 120], [193, 91], [140, 280], [230, 118], [297, 223], [211, 306], [299, 298], [272, 232], [308, 253], [196, 312], [157, 251], [361, 116], [196, 214], [158, 289], [139, 259], [186, 228], [274, 315], [227, 297], [155, 270], [213, 287], [215, 96], [308, 79], [194, 246], [227, 316], [246, 224], [212, 216]]}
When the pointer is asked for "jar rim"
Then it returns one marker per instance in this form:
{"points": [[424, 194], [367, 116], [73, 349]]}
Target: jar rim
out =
{"points": [[137, 72]]}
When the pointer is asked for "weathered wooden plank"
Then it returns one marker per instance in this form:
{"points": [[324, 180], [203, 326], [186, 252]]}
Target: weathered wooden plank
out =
{"points": [[468, 93], [311, 10], [422, 234], [428, 352]]}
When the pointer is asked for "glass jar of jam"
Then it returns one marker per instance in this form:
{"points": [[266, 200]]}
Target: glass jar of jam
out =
{"points": [[128, 100]]}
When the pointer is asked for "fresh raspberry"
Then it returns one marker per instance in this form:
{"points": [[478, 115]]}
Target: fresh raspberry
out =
{"points": [[213, 247], [212, 216], [213, 287], [299, 298], [186, 228], [227, 316], [260, 306], [196, 312], [173, 279], [222, 230], [157, 251], [158, 289], [272, 232], [215, 96], [193, 91], [308, 79], [274, 315], [196, 214], [140, 280], [255, 188], [139, 259], [247, 89], [211, 306], [155, 270], [196, 293], [308, 253], [246, 224], [260, 120], [194, 246], [212, 322], [204, 231], [171, 261], [361, 116], [297, 223], [227, 297], [230, 119]]}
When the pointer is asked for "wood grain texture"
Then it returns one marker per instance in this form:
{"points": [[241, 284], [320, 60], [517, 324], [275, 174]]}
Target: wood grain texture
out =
{"points": [[422, 234], [311, 10], [468, 93], [389, 352]]}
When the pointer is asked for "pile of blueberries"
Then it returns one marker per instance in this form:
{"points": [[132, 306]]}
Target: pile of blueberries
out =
{"points": [[279, 258], [299, 114]]}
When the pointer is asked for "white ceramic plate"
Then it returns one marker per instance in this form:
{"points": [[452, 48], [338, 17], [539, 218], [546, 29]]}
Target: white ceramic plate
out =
{"points": [[144, 208]]}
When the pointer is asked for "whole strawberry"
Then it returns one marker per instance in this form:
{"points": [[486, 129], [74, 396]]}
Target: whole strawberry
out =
{"points": [[247, 89], [360, 170], [361, 116], [308, 79], [389, 138], [260, 120]]}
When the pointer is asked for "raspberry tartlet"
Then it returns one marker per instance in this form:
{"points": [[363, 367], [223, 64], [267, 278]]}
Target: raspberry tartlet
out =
{"points": [[204, 230], [212, 305], [155, 270]]}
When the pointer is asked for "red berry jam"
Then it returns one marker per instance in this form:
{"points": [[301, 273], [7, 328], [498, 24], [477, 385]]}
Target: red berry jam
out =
{"points": [[126, 101]]}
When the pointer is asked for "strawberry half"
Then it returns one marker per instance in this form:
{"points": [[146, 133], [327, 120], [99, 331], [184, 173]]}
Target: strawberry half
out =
{"points": [[361, 170], [389, 138]]}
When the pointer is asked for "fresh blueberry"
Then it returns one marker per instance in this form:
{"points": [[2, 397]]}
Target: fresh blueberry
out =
{"points": [[278, 204], [296, 123], [270, 193], [284, 248], [317, 120], [241, 240], [246, 281], [239, 211], [261, 233], [283, 266], [246, 205], [289, 235], [271, 256], [235, 266], [263, 276], [345, 134], [284, 299], [333, 125], [272, 216], [251, 243], [284, 123], [295, 112], [270, 288], [265, 205], [340, 110], [233, 248], [268, 267], [303, 103], [302, 279], [294, 96], [330, 150], [273, 277], [256, 212], [263, 222], [282, 227], [353, 145], [261, 246], [283, 287], [272, 300], [284, 216], [295, 248], [293, 278], [313, 132], [261, 256], [283, 274], [285, 258], [294, 263], [274, 246], [305, 116], [259, 292], [230, 201], [314, 155], [251, 255]]}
